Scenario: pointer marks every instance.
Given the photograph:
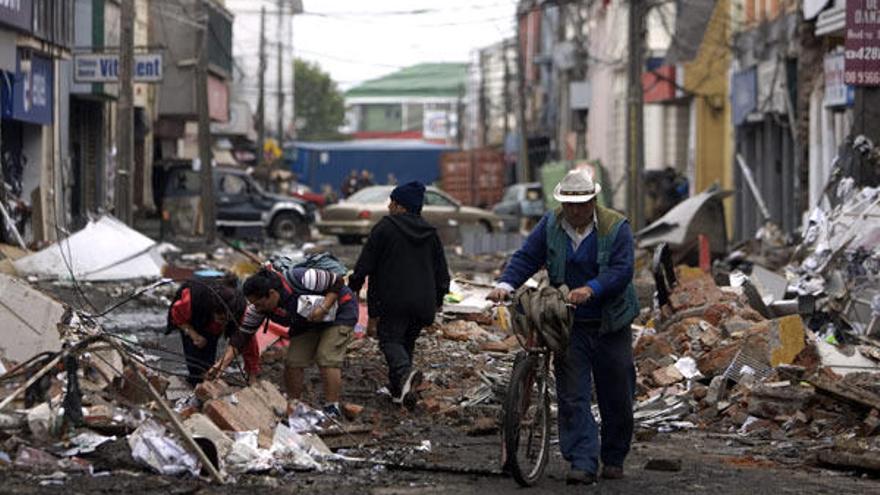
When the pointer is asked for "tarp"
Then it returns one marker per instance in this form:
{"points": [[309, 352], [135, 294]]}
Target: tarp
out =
{"points": [[106, 249], [29, 320]]}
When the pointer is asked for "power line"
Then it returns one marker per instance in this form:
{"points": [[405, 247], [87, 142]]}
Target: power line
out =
{"points": [[393, 13]]}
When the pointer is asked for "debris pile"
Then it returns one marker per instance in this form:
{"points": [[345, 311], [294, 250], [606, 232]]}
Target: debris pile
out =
{"points": [[837, 267], [711, 360]]}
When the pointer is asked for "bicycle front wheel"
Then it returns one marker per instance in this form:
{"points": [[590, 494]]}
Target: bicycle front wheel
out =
{"points": [[526, 425]]}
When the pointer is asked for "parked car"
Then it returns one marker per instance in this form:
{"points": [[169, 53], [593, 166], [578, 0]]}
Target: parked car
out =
{"points": [[242, 207], [352, 219], [305, 193], [521, 201]]}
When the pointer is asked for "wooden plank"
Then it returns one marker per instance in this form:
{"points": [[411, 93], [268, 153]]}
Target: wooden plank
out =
{"points": [[867, 460], [846, 392]]}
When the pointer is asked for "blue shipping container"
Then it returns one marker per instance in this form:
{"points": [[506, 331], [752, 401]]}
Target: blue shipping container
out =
{"points": [[319, 163]]}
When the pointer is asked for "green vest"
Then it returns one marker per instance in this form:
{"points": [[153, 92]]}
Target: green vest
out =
{"points": [[618, 312]]}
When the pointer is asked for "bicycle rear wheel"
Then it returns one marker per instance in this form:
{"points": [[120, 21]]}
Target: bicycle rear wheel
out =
{"points": [[526, 424]]}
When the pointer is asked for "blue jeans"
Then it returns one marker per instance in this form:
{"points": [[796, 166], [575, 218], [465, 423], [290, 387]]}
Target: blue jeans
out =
{"points": [[607, 360]]}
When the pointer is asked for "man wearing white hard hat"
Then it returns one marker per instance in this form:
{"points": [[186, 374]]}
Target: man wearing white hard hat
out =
{"points": [[589, 249]]}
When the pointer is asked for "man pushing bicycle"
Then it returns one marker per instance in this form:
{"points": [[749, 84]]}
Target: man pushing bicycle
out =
{"points": [[589, 249]]}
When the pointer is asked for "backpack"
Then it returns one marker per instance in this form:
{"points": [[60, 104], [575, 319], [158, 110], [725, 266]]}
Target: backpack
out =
{"points": [[322, 261]]}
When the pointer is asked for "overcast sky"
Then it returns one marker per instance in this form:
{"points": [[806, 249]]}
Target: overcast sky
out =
{"points": [[358, 40]]}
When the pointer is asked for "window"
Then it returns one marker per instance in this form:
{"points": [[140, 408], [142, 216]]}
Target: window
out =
{"points": [[511, 194], [184, 182], [435, 199], [232, 185], [375, 195]]}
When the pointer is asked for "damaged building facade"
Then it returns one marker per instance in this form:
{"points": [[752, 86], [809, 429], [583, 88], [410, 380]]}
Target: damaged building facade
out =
{"points": [[59, 128], [35, 37]]}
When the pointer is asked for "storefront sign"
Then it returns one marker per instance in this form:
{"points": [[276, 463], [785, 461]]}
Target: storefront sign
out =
{"points": [[837, 93], [17, 14], [31, 94], [218, 99], [104, 68], [435, 125], [862, 56], [744, 96]]}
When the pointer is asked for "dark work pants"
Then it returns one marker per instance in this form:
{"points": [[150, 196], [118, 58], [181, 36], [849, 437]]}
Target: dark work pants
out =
{"points": [[199, 360], [397, 339], [607, 361]]}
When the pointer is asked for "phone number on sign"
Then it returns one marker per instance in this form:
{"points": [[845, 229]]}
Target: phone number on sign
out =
{"points": [[853, 77]]}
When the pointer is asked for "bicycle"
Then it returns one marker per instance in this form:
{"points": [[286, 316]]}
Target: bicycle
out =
{"points": [[526, 411]]}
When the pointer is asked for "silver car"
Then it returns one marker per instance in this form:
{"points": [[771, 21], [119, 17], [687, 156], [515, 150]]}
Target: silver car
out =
{"points": [[352, 219]]}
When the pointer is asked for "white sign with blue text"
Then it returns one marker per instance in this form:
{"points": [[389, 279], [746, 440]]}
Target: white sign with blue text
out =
{"points": [[104, 68]]}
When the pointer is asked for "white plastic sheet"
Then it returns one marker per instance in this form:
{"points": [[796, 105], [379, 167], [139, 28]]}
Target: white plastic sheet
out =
{"points": [[106, 249], [151, 445]]}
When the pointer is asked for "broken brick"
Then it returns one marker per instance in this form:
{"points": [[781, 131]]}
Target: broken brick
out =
{"points": [[483, 426], [431, 405], [717, 360], [352, 411], [271, 396], [667, 376], [209, 390], [653, 347], [505, 345]]}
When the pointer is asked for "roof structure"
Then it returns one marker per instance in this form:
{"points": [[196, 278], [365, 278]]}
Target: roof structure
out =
{"points": [[444, 80]]}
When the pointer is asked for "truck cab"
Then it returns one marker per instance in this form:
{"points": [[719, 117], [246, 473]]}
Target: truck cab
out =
{"points": [[242, 207]]}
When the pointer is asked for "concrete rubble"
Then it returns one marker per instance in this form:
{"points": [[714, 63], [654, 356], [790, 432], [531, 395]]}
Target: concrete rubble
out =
{"points": [[724, 355]]}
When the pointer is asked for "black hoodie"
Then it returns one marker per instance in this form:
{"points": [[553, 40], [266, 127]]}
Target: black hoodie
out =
{"points": [[407, 268]]}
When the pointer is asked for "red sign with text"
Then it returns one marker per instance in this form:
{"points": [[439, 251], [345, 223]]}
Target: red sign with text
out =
{"points": [[862, 55]]}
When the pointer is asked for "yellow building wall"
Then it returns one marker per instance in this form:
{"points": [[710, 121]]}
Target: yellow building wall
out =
{"points": [[707, 78]]}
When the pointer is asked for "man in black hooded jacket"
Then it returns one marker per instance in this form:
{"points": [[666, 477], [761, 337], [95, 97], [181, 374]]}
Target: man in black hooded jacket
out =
{"points": [[404, 259]]}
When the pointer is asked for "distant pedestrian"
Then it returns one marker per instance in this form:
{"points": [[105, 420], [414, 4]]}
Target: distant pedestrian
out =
{"points": [[365, 180], [349, 184], [408, 278], [392, 180]]}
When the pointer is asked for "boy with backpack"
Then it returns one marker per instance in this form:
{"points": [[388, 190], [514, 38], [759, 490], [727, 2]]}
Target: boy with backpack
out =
{"points": [[320, 312]]}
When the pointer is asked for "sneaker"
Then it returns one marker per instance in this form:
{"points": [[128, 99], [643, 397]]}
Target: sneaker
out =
{"points": [[332, 411], [408, 394], [578, 477], [612, 472]]}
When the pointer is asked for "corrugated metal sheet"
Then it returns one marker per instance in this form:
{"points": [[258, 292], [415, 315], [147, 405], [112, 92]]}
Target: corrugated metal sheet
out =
{"points": [[475, 177]]}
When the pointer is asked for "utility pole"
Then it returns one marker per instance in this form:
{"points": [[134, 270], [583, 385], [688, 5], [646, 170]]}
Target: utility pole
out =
{"points": [[261, 101], [459, 117], [206, 157], [563, 102], [125, 115], [507, 103], [635, 149], [524, 173], [280, 93], [483, 106]]}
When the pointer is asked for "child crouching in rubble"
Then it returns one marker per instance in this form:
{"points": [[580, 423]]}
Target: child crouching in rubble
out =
{"points": [[203, 310], [320, 313]]}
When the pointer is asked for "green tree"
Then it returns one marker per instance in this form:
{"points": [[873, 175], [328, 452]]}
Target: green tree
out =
{"points": [[320, 106]]}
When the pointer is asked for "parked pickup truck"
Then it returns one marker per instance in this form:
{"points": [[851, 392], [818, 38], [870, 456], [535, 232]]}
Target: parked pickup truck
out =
{"points": [[243, 208]]}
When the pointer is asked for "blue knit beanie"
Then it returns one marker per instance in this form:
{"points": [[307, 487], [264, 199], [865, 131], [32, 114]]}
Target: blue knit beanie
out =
{"points": [[410, 195]]}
